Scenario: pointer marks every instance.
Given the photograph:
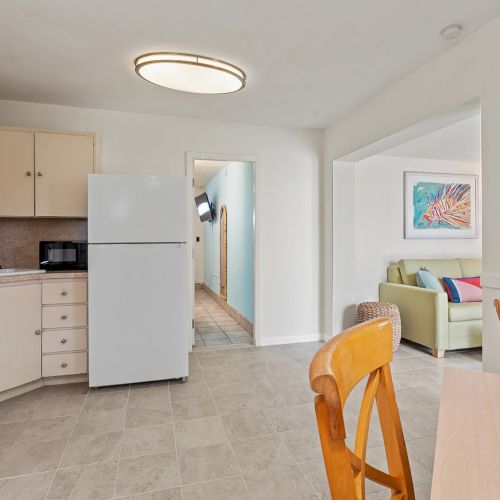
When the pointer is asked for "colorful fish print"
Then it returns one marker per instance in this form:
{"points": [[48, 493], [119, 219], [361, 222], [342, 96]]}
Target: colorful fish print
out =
{"points": [[442, 206]]}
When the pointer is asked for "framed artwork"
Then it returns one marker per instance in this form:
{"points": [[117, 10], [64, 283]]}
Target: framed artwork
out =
{"points": [[440, 205]]}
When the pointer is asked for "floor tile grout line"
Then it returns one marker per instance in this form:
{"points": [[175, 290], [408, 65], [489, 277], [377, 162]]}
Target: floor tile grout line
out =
{"points": [[66, 445], [218, 308], [318, 493], [233, 361], [229, 476], [89, 463], [274, 433], [177, 459], [241, 474], [225, 431], [28, 474], [121, 441]]}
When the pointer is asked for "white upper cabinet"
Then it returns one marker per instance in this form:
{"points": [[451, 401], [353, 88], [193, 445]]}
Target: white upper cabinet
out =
{"points": [[17, 174], [44, 174], [62, 165]]}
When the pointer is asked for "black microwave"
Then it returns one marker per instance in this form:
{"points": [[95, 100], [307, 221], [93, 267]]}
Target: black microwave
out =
{"points": [[63, 255]]}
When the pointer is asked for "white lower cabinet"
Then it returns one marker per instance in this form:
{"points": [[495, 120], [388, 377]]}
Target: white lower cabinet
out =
{"points": [[64, 292], [20, 339], [64, 328], [66, 363], [64, 316], [42, 334], [74, 339]]}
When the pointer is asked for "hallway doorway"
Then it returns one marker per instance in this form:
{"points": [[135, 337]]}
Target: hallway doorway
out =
{"points": [[223, 253]]}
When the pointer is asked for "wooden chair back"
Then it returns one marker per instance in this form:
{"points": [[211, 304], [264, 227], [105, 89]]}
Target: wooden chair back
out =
{"points": [[338, 366]]}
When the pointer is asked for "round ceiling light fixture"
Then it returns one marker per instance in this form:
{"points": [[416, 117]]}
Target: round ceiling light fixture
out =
{"points": [[190, 73], [452, 31]]}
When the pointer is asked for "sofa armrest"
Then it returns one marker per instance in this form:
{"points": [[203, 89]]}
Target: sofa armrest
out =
{"points": [[424, 313]]}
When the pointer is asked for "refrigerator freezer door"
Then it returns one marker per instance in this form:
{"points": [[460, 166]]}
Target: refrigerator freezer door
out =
{"points": [[137, 209], [138, 313]]}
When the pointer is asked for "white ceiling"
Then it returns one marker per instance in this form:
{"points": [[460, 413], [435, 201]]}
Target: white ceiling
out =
{"points": [[308, 62], [457, 142]]}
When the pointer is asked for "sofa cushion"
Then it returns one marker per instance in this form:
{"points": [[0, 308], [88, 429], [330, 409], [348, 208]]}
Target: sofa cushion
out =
{"points": [[438, 267], [394, 275], [470, 267], [465, 312]]}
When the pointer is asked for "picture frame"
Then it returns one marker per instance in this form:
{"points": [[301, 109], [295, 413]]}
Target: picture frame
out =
{"points": [[438, 205]]}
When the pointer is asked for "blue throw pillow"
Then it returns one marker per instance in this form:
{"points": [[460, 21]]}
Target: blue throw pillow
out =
{"points": [[425, 279]]}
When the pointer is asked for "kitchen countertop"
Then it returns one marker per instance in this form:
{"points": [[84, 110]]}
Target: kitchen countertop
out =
{"points": [[44, 276]]}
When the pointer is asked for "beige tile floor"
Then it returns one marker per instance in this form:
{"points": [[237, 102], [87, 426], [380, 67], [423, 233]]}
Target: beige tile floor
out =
{"points": [[241, 428], [214, 327]]}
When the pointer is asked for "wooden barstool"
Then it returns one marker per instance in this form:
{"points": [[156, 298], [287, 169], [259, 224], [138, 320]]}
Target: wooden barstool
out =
{"points": [[338, 366]]}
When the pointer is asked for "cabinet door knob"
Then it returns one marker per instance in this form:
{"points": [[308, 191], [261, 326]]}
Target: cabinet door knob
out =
{"points": [[28, 174], [38, 332], [39, 173], [64, 292], [63, 341], [63, 316], [64, 365]]}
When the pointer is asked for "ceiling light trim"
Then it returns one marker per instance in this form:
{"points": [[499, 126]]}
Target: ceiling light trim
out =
{"points": [[184, 58]]}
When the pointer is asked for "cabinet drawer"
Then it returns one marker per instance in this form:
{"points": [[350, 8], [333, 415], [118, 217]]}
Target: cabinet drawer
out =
{"points": [[68, 316], [69, 292], [70, 363], [64, 340]]}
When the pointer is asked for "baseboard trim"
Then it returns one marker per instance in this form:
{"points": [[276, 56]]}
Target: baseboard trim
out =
{"points": [[66, 379], [316, 337], [36, 384], [235, 314], [17, 391]]}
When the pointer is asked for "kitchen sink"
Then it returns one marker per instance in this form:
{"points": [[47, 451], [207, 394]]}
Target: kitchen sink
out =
{"points": [[12, 271]]}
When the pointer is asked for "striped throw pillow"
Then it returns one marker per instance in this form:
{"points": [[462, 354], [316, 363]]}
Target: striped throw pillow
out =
{"points": [[463, 289]]}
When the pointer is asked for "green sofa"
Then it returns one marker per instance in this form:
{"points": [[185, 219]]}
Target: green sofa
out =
{"points": [[427, 317]]}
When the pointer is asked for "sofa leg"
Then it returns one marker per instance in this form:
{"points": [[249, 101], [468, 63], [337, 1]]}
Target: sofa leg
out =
{"points": [[438, 353]]}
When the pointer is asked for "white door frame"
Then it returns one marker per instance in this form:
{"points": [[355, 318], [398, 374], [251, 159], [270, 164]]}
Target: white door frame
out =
{"points": [[190, 159]]}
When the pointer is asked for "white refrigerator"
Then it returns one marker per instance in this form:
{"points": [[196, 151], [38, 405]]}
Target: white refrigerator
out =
{"points": [[139, 299]]}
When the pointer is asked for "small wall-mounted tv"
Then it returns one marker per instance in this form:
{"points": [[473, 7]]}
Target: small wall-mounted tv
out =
{"points": [[205, 208]]}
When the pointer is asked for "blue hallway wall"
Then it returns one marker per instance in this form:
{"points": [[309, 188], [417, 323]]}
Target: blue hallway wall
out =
{"points": [[233, 187]]}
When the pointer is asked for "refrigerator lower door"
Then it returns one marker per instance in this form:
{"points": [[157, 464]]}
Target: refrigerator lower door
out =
{"points": [[138, 313]]}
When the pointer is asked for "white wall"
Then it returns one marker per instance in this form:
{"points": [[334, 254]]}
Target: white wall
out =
{"points": [[468, 71], [344, 246], [199, 263], [490, 158], [369, 227], [287, 247], [380, 225]]}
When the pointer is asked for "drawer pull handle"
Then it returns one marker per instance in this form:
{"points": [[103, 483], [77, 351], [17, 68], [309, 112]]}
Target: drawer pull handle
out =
{"points": [[39, 174], [64, 292], [64, 365], [38, 332], [28, 174], [63, 341], [64, 316]]}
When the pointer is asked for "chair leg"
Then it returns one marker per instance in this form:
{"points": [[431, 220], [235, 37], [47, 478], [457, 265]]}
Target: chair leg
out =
{"points": [[438, 353]]}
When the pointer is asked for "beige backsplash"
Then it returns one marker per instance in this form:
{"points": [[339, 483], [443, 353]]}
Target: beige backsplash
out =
{"points": [[19, 238]]}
